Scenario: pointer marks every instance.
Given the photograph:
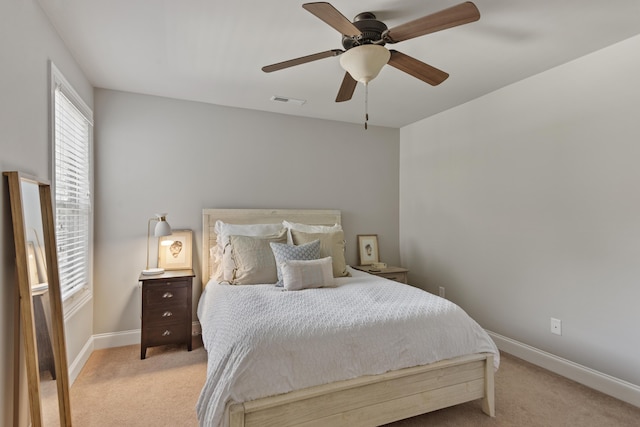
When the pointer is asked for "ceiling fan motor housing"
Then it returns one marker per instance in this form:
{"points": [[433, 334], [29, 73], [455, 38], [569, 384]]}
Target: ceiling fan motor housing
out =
{"points": [[371, 29], [364, 39]]}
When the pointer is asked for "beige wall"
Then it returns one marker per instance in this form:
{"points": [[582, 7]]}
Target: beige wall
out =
{"points": [[525, 204], [27, 43], [163, 155]]}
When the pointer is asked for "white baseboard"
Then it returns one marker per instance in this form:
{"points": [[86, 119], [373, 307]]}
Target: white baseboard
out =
{"points": [[97, 342], [109, 340], [596, 380], [116, 339], [80, 360]]}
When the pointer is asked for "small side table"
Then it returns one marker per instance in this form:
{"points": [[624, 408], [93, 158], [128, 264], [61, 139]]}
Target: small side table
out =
{"points": [[398, 274], [166, 309]]}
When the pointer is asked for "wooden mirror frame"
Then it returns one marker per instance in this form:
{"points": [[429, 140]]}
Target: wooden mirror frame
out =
{"points": [[15, 180]]}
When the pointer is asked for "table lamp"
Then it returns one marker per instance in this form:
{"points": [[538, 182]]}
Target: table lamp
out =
{"points": [[162, 229]]}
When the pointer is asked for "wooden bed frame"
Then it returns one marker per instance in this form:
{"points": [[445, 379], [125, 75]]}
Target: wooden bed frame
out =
{"points": [[364, 401]]}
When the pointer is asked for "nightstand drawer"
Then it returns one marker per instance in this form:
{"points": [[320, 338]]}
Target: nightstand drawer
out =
{"points": [[162, 294], [165, 334], [398, 277], [169, 313], [397, 274]]}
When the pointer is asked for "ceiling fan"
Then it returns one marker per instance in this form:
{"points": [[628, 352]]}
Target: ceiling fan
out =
{"points": [[363, 40]]}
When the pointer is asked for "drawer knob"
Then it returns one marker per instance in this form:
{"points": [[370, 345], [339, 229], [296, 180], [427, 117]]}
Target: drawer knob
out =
{"points": [[166, 333], [167, 295], [167, 314]]}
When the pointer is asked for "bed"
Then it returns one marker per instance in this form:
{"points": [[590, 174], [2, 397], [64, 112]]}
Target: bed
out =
{"points": [[356, 354]]}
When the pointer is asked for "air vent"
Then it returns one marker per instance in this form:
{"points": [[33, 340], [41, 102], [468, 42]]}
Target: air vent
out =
{"points": [[286, 99]]}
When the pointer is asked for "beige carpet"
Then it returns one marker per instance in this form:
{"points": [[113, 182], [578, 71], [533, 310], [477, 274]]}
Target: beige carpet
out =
{"points": [[116, 388]]}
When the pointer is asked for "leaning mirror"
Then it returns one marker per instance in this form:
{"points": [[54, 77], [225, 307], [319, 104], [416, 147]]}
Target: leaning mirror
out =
{"points": [[40, 307]]}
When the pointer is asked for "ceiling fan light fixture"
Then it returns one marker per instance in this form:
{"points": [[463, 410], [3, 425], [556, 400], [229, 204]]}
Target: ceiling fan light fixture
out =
{"points": [[364, 62]]}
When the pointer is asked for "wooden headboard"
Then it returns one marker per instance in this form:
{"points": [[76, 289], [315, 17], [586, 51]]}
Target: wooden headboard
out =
{"points": [[255, 216]]}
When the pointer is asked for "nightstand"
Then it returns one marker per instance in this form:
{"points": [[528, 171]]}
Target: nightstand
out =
{"points": [[398, 274], [166, 309]]}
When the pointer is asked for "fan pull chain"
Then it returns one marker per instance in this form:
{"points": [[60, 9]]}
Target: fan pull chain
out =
{"points": [[366, 105]]}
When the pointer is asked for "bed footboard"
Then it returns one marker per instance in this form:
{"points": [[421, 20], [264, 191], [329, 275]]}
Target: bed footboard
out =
{"points": [[376, 400]]}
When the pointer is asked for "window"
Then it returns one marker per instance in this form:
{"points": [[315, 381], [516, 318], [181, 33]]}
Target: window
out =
{"points": [[72, 129]]}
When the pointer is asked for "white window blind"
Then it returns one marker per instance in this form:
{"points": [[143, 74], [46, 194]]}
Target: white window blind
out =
{"points": [[72, 189]]}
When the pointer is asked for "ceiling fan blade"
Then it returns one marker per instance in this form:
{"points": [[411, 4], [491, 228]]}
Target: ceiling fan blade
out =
{"points": [[301, 60], [417, 69], [446, 18], [347, 88], [330, 15]]}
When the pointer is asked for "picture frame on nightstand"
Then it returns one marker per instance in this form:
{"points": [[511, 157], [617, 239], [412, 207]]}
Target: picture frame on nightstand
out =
{"points": [[175, 250], [368, 249]]}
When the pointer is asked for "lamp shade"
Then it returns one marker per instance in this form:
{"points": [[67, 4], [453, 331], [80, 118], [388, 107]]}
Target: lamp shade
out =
{"points": [[162, 227], [364, 62]]}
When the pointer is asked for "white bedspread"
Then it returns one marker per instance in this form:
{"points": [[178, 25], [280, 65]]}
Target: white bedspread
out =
{"points": [[262, 340]]}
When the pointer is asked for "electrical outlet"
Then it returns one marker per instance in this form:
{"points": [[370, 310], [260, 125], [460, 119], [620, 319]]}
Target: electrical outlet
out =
{"points": [[556, 326], [441, 291]]}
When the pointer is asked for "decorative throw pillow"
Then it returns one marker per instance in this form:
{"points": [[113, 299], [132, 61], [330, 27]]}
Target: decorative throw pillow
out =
{"points": [[253, 259], [223, 230], [331, 244], [283, 252], [307, 228], [301, 274]]}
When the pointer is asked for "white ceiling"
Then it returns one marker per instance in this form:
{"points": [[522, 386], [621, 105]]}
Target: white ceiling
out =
{"points": [[212, 51]]}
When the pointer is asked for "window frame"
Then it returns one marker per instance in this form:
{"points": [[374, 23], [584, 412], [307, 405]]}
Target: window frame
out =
{"points": [[79, 298]]}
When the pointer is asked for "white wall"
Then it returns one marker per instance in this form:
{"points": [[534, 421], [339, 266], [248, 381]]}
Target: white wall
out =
{"points": [[163, 155], [27, 43], [525, 204]]}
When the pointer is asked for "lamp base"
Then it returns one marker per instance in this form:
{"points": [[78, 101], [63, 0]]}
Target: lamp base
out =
{"points": [[152, 271]]}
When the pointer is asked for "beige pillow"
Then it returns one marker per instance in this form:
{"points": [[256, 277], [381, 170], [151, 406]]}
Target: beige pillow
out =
{"points": [[331, 244], [307, 274], [253, 260], [223, 230], [307, 228]]}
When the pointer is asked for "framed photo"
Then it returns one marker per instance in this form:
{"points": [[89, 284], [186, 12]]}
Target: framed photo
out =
{"points": [[368, 248], [174, 251]]}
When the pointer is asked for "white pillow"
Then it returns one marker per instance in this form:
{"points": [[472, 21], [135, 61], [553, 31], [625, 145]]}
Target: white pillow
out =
{"points": [[223, 230], [311, 228], [307, 228], [284, 252], [307, 274]]}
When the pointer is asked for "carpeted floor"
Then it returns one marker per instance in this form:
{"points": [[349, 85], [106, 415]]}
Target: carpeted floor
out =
{"points": [[116, 388]]}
